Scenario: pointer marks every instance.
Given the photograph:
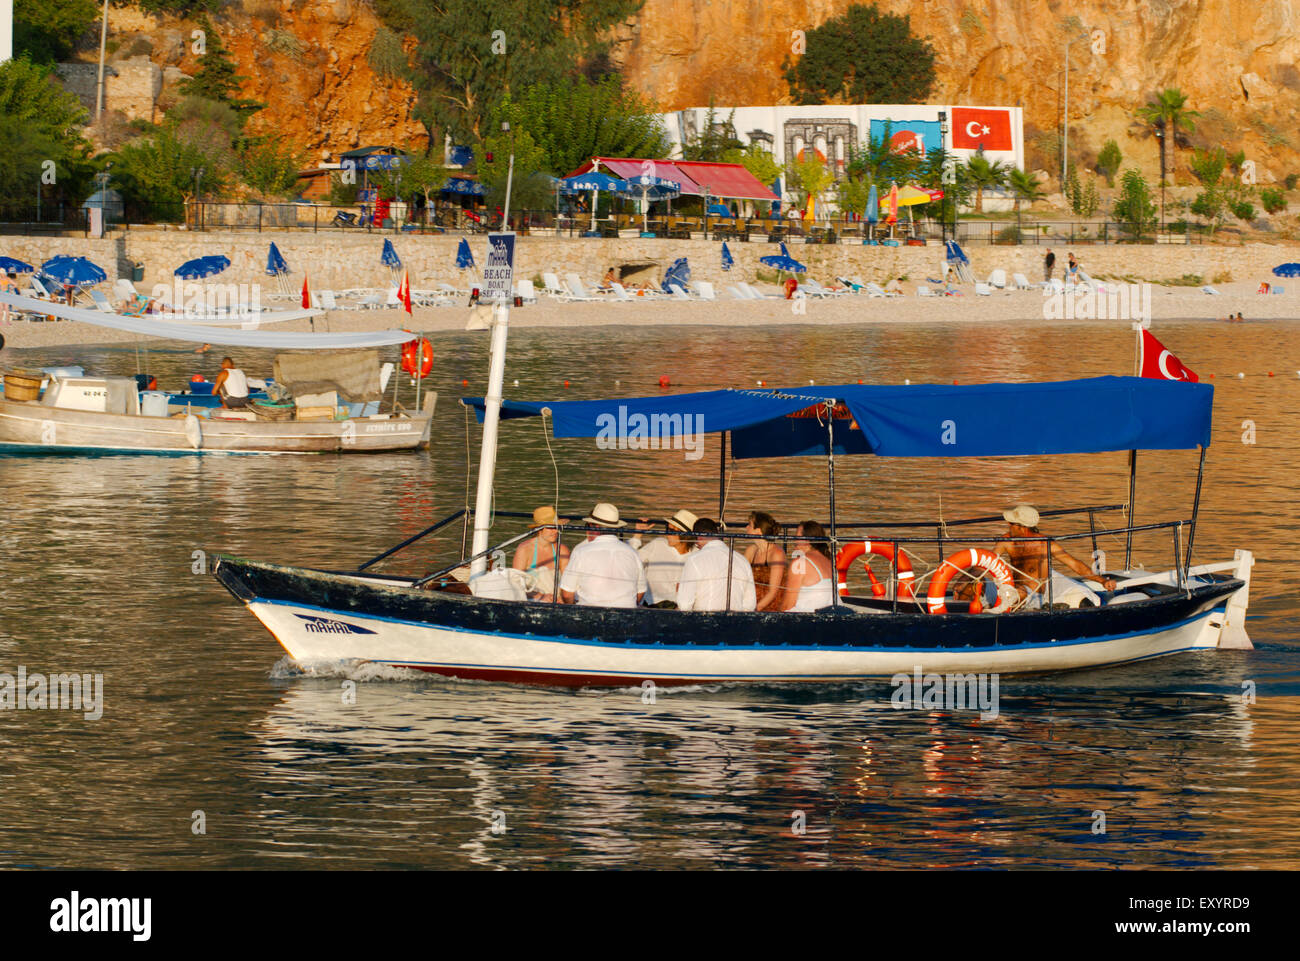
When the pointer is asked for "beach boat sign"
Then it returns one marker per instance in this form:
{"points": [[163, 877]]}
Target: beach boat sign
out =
{"points": [[499, 272]]}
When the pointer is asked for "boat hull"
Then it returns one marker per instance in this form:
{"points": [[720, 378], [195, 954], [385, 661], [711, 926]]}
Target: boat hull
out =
{"points": [[318, 616], [28, 427]]}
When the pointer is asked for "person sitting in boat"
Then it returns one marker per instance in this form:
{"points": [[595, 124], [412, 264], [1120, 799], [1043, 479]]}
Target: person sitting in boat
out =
{"points": [[231, 385], [603, 571], [811, 572], [704, 583], [663, 557], [1028, 561], [539, 555], [767, 561]]}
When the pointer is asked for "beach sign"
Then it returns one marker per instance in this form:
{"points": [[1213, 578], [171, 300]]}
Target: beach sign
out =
{"points": [[499, 271]]}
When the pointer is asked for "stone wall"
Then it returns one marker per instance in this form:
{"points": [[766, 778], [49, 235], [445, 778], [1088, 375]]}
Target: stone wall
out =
{"points": [[340, 259], [131, 86]]}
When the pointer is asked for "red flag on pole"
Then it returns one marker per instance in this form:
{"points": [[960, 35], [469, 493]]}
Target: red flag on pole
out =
{"points": [[306, 293], [1159, 363], [404, 292]]}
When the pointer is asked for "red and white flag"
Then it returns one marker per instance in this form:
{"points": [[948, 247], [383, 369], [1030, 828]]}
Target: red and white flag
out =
{"points": [[404, 292], [974, 127], [1159, 363], [306, 293]]}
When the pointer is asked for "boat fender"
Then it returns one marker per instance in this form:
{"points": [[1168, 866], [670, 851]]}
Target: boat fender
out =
{"points": [[193, 431], [986, 561], [851, 552], [417, 357]]}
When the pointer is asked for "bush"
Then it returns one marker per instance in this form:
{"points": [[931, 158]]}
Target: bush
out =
{"points": [[1108, 161], [1134, 207], [1008, 235], [1243, 210], [1273, 200], [1291, 180]]}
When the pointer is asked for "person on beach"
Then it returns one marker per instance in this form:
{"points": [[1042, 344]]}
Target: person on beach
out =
{"points": [[231, 385], [603, 571], [1028, 560], [811, 571], [767, 561], [10, 286], [611, 278], [1049, 262], [715, 578], [664, 556], [1072, 272], [542, 556]]}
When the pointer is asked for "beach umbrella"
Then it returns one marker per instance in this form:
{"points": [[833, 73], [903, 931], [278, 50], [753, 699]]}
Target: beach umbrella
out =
{"points": [[388, 257], [73, 271], [873, 206], [277, 268], [9, 265], [719, 210], [464, 257], [892, 201], [595, 181], [909, 196], [201, 267], [679, 273], [652, 188], [727, 261], [1287, 270], [784, 262]]}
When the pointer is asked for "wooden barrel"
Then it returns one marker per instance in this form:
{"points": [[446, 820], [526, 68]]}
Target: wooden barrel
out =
{"points": [[23, 385]]}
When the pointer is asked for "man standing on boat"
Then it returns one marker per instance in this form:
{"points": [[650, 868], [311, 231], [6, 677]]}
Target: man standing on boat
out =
{"points": [[1028, 560], [603, 571], [231, 385], [704, 584]]}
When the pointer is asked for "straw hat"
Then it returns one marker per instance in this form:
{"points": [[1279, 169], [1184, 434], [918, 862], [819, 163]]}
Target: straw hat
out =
{"points": [[683, 521], [544, 516], [1021, 514], [604, 515]]}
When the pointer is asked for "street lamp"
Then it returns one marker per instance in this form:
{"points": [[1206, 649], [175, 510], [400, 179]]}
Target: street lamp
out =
{"points": [[1160, 136], [510, 175], [943, 168]]}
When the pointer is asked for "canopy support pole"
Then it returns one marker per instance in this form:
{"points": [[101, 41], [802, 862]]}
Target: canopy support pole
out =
{"points": [[1196, 507], [488, 455], [1132, 493], [830, 476], [722, 478]]}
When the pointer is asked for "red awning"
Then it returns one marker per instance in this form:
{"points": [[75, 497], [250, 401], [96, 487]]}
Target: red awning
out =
{"points": [[723, 180]]}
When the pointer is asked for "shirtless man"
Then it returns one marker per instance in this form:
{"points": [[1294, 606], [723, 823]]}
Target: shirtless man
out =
{"points": [[540, 554], [1030, 557]]}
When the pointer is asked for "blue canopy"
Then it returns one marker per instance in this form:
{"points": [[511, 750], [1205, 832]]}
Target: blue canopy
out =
{"points": [[783, 261], [10, 266], [873, 206], [460, 185], [202, 267], [727, 260], [955, 253], [580, 183], [1287, 270], [679, 273], [388, 257], [464, 257], [979, 420], [76, 271], [275, 261], [719, 210], [653, 188]]}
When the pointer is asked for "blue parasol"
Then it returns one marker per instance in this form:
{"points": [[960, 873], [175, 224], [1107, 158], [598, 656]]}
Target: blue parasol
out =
{"points": [[202, 267], [727, 261], [10, 266], [649, 188], [73, 271], [679, 273], [719, 210], [1287, 270], [464, 257], [595, 181], [275, 264], [784, 262], [388, 257], [873, 206]]}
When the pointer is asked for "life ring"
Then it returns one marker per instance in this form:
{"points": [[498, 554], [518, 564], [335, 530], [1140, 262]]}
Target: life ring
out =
{"points": [[851, 552], [986, 561], [422, 349]]}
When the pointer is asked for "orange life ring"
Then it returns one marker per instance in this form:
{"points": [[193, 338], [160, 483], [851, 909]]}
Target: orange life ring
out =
{"points": [[424, 351], [851, 552], [986, 561]]}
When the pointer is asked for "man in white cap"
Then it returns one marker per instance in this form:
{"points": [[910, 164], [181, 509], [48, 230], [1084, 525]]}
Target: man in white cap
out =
{"points": [[663, 557], [1028, 560], [715, 578], [603, 571]]}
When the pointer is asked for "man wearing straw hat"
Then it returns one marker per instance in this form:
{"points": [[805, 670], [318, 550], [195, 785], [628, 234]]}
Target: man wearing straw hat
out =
{"points": [[542, 554], [663, 557], [603, 571]]}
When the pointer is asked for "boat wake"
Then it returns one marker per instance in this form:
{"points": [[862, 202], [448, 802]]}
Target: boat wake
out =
{"points": [[349, 670]]}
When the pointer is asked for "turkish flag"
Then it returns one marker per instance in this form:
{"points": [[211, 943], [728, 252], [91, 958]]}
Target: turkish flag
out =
{"points": [[306, 294], [1159, 363], [973, 127], [404, 292]]}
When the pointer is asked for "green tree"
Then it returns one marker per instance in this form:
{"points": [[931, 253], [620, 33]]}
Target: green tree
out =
{"points": [[532, 187], [270, 166], [1026, 188], [985, 174], [714, 141], [159, 169], [1134, 207], [809, 177], [41, 126], [758, 160], [1274, 201], [1168, 118], [216, 79], [469, 54], [1109, 161], [46, 31], [1208, 166], [862, 56]]}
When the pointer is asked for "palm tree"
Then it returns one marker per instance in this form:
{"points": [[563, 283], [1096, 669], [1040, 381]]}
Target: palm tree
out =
{"points": [[1025, 186], [984, 174], [1168, 114]]}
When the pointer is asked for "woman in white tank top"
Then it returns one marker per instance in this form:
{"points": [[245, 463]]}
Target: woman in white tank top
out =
{"points": [[810, 548]]}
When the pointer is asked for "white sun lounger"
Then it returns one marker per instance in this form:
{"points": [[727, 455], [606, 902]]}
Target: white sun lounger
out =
{"points": [[621, 296], [736, 293], [1021, 282], [753, 292], [875, 290], [998, 279], [924, 292], [705, 290], [813, 288], [679, 292], [524, 289], [984, 290], [553, 286], [576, 289], [101, 302]]}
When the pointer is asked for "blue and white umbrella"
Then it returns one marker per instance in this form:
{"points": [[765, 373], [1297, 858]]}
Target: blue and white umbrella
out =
{"points": [[679, 273], [73, 271], [784, 262], [650, 188], [464, 256], [201, 267], [1287, 270], [388, 257], [873, 206], [9, 265], [595, 181], [275, 264], [727, 261]]}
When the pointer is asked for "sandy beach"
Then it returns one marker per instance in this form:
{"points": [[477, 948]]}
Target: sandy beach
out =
{"points": [[1167, 303]]}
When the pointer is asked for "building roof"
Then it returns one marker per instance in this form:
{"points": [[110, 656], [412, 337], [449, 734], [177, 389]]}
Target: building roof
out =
{"points": [[721, 180]]}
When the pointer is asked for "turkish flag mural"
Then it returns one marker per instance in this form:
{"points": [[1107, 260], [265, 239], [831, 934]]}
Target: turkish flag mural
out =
{"points": [[975, 127], [1159, 363]]}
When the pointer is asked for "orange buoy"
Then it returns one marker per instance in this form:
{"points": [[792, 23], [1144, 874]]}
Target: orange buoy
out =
{"points": [[464, 383], [663, 380], [984, 560], [566, 383], [851, 552], [196, 379], [417, 357]]}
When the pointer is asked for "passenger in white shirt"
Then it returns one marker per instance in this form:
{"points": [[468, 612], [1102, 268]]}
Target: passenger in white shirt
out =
{"points": [[663, 557], [704, 582], [603, 571]]}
